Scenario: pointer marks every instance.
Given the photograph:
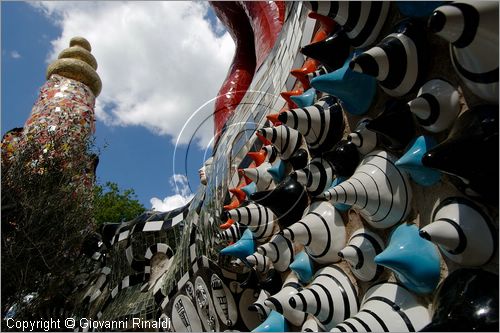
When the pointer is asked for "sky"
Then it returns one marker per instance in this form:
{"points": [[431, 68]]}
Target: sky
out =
{"points": [[161, 64]]}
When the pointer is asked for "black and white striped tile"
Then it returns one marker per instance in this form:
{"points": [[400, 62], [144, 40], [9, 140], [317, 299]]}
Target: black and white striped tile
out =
{"points": [[321, 231], [361, 20], [331, 297], [471, 27], [378, 190]]}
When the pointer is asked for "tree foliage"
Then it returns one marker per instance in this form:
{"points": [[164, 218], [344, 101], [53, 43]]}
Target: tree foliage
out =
{"points": [[111, 204]]}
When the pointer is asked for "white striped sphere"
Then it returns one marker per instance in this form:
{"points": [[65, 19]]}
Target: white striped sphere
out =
{"points": [[261, 263], [317, 176], [387, 307], [259, 306], [331, 297], [463, 231], [362, 20], [360, 252], [436, 106], [259, 219], [321, 124], [279, 250], [286, 140], [398, 62], [321, 231], [232, 234], [364, 139], [279, 302], [378, 190], [472, 29], [262, 179]]}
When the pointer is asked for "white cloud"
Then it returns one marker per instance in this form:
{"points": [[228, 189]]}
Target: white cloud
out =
{"points": [[183, 195], [159, 61], [15, 55]]}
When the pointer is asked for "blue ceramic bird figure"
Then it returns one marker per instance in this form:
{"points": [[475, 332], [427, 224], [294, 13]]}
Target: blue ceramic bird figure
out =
{"points": [[348, 85], [414, 260], [249, 189], [244, 247], [277, 171], [411, 162]]}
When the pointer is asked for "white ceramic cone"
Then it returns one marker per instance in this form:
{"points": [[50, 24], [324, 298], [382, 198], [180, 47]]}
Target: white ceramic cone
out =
{"points": [[231, 234], [262, 179], [260, 263], [463, 231], [436, 106], [378, 190], [317, 176], [472, 29], [321, 231], [363, 246], [259, 306], [279, 250], [259, 219], [387, 307], [364, 139], [286, 140], [331, 297], [279, 301]]}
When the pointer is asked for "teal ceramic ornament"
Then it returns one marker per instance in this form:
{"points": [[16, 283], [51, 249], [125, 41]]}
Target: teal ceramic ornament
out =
{"points": [[275, 322], [411, 162], [249, 189], [348, 86], [303, 267], [277, 171], [306, 99], [244, 247], [414, 260]]}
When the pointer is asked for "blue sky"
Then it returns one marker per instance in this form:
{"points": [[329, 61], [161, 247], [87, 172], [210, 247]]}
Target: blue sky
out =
{"points": [[149, 92]]}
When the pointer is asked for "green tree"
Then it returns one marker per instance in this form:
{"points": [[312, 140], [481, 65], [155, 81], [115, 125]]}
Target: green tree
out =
{"points": [[111, 204]]}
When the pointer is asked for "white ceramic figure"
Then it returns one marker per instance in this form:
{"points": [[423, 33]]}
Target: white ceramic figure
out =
{"points": [[471, 27], [364, 139], [387, 307], [286, 140], [262, 179], [259, 219], [362, 20], [259, 306], [378, 190], [398, 61], [205, 306], [184, 316], [280, 301], [231, 234], [436, 106], [311, 325], [317, 176], [321, 124], [331, 297], [360, 251], [260, 263], [321, 231], [463, 232], [225, 304], [280, 250]]}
